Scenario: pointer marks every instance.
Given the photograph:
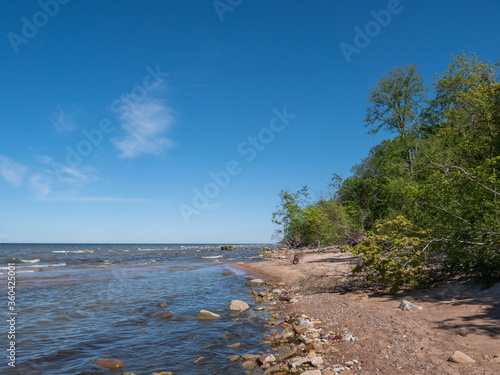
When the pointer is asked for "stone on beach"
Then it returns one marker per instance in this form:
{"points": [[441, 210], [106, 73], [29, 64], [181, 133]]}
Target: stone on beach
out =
{"points": [[459, 357], [408, 306], [162, 314], [311, 372], [255, 282], [207, 315], [108, 363], [297, 361], [238, 306], [266, 358]]}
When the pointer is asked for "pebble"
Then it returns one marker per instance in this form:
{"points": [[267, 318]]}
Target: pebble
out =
{"points": [[459, 357], [349, 337], [235, 345], [234, 358]]}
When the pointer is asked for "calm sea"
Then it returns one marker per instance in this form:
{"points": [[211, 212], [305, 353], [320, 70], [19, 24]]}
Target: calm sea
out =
{"points": [[79, 302]]}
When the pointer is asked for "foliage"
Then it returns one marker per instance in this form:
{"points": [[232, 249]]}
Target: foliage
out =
{"points": [[303, 223], [429, 197], [391, 254]]}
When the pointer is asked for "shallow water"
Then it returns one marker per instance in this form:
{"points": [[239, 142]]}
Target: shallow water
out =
{"points": [[100, 304]]}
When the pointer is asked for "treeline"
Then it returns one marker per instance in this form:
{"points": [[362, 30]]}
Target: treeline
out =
{"points": [[424, 205]]}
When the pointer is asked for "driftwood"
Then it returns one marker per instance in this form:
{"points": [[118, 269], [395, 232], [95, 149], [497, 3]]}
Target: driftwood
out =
{"points": [[297, 257]]}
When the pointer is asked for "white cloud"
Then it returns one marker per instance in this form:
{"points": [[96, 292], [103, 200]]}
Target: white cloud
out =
{"points": [[145, 124], [62, 120], [11, 171]]}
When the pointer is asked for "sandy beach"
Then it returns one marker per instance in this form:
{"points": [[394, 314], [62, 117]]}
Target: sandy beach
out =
{"points": [[387, 340]]}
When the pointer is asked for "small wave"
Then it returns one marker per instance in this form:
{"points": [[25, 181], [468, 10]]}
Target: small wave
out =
{"points": [[214, 257], [73, 251], [17, 260], [44, 265]]}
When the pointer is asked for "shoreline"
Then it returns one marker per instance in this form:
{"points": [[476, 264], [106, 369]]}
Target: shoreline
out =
{"points": [[387, 340]]}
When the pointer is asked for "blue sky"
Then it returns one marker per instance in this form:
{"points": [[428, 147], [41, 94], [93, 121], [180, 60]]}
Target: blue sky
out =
{"points": [[118, 117]]}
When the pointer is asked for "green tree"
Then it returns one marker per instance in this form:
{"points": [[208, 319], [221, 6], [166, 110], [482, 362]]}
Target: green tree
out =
{"points": [[396, 103]]}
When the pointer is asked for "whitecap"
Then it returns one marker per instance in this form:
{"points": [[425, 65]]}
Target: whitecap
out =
{"points": [[30, 260], [44, 265]]}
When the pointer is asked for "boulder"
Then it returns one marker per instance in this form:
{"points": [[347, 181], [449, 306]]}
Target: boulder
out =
{"points": [[162, 314], [111, 364], [207, 315], [459, 357], [162, 304], [238, 306], [408, 306]]}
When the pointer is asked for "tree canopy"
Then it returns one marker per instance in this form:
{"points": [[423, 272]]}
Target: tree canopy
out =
{"points": [[426, 200]]}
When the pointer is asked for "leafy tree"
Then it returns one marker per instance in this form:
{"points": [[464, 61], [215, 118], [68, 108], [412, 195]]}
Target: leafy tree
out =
{"points": [[395, 105]]}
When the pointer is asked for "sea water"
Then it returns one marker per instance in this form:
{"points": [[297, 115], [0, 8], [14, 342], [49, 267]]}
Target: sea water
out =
{"points": [[75, 303]]}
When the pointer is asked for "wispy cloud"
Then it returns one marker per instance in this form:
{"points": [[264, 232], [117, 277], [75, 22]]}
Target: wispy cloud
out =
{"points": [[69, 175], [145, 124], [63, 120], [12, 171], [41, 185]]}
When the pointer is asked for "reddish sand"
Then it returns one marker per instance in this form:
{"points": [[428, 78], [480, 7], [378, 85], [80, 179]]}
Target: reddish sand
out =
{"points": [[391, 341]]}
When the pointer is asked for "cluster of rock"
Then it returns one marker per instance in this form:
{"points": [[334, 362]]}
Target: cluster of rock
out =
{"points": [[297, 343]]}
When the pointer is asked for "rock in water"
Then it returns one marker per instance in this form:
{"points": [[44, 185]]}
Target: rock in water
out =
{"points": [[238, 306], [162, 314], [459, 357], [111, 364], [207, 315], [255, 282], [408, 306]]}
